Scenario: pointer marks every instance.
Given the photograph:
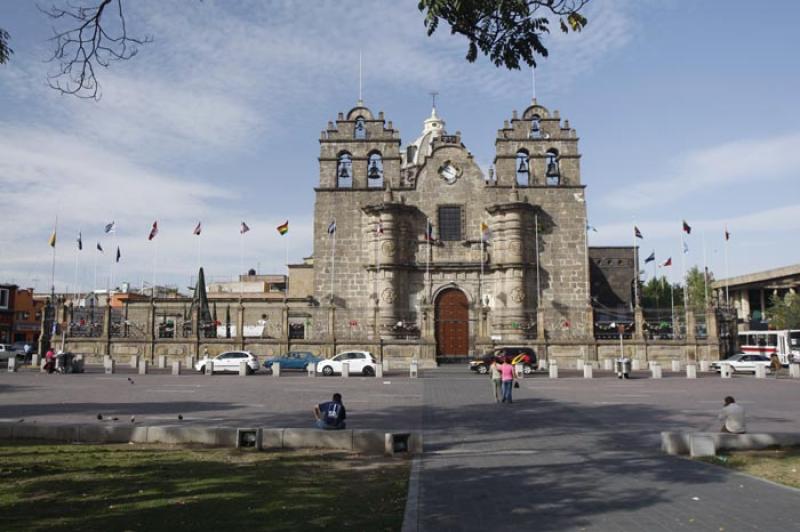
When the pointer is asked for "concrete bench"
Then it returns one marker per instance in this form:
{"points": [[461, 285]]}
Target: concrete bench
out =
{"points": [[350, 440], [697, 444]]}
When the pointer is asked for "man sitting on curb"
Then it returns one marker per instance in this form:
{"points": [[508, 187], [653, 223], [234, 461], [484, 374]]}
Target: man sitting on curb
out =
{"points": [[732, 417], [331, 414]]}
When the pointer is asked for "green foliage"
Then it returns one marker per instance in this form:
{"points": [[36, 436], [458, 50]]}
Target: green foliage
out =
{"points": [[5, 50], [507, 31], [656, 294], [784, 313], [697, 286]]}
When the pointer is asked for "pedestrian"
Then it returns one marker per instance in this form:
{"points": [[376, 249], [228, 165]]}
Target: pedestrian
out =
{"points": [[732, 417], [331, 415], [27, 350], [50, 361], [775, 364], [507, 377], [494, 373]]}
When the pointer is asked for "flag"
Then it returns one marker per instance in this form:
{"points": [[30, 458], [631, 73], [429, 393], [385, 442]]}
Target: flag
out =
{"points": [[331, 227], [52, 240], [197, 229], [283, 228], [119, 255], [636, 232], [80, 242], [687, 228], [485, 234], [153, 231], [651, 258], [591, 228], [379, 228], [110, 228], [243, 229], [99, 247], [727, 234], [685, 247], [429, 231], [666, 263]]}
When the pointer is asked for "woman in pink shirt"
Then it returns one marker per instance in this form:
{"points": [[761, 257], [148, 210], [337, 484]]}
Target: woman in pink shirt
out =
{"points": [[507, 377]]}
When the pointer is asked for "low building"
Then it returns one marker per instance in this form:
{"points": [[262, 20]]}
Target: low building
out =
{"points": [[7, 296], [751, 294]]}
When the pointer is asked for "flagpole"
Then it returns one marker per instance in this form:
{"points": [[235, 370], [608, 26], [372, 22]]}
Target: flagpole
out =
{"points": [[155, 263], [53, 269], [635, 271], [705, 273], [727, 275], [685, 283], [241, 262], [538, 283], [75, 278], [286, 288], [672, 302], [113, 261], [94, 285], [480, 276], [333, 265]]}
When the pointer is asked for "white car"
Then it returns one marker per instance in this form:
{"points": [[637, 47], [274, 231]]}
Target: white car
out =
{"points": [[7, 351], [743, 362], [358, 362], [229, 362]]}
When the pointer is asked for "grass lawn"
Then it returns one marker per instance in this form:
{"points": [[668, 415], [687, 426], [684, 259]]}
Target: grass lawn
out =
{"points": [[778, 465], [147, 487]]}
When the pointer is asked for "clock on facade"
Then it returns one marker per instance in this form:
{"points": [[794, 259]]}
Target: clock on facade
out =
{"points": [[449, 172]]}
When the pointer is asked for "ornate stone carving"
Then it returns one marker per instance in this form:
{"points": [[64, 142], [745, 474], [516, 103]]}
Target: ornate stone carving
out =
{"points": [[517, 295], [388, 295], [388, 248]]}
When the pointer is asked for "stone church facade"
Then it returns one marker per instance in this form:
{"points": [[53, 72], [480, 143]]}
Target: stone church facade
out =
{"points": [[424, 237]]}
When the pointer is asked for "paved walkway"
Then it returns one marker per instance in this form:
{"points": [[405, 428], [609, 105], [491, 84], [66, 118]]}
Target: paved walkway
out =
{"points": [[576, 455]]}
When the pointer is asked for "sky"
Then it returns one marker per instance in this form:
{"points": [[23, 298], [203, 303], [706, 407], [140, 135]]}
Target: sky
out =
{"points": [[684, 110]]}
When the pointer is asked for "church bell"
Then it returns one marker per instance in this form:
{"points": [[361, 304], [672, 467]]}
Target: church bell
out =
{"points": [[552, 169], [343, 173], [523, 167], [374, 173]]}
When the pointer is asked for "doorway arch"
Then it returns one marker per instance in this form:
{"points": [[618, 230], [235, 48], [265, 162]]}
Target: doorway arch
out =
{"points": [[452, 324]]}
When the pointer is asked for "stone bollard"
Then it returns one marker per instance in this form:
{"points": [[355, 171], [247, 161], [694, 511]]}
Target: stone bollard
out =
{"points": [[553, 370], [636, 364], [106, 358], [41, 365], [705, 365], [311, 369], [35, 361], [243, 368], [413, 369], [209, 367], [176, 367], [543, 364], [725, 371], [379, 371], [676, 365], [608, 364], [655, 370], [276, 369], [761, 371], [794, 371], [691, 371], [162, 361], [143, 367], [345, 369], [519, 370], [385, 365], [12, 364], [588, 371], [189, 361], [134, 361], [579, 364], [109, 366]]}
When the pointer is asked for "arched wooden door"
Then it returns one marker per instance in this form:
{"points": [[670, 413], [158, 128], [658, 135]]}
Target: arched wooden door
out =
{"points": [[452, 324]]}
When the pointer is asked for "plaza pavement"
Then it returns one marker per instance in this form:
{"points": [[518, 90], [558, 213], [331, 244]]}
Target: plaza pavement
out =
{"points": [[569, 454]]}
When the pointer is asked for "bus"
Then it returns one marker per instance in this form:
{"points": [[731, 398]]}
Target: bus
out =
{"points": [[786, 343]]}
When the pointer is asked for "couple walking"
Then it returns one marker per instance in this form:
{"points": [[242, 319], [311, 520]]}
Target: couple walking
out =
{"points": [[503, 379]]}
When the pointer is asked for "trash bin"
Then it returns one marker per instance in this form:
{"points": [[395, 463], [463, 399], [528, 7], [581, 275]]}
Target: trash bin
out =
{"points": [[622, 367]]}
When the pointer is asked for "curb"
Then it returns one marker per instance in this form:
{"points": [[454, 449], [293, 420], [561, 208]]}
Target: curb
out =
{"points": [[411, 514]]}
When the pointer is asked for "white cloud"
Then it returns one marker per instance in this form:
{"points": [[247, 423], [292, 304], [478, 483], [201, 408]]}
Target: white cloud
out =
{"points": [[706, 170]]}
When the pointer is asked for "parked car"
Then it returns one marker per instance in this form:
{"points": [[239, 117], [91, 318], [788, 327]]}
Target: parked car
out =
{"points": [[359, 362], [514, 354], [229, 362], [293, 360], [7, 351], [743, 362]]}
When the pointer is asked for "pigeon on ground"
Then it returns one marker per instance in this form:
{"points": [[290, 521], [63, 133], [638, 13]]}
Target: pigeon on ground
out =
{"points": [[180, 417], [114, 419], [133, 419], [130, 380], [100, 416]]}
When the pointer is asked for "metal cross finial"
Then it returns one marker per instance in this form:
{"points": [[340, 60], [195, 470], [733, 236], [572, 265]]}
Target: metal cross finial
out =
{"points": [[434, 94]]}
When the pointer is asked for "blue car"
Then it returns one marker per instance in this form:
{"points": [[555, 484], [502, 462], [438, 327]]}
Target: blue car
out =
{"points": [[293, 360]]}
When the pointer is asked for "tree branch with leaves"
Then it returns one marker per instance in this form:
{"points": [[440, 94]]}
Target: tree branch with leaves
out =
{"points": [[507, 31], [94, 37], [5, 49]]}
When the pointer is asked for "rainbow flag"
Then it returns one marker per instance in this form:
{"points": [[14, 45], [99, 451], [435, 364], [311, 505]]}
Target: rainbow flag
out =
{"points": [[283, 228]]}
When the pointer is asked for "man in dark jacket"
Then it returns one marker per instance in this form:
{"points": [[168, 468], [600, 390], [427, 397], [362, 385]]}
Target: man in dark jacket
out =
{"points": [[331, 415]]}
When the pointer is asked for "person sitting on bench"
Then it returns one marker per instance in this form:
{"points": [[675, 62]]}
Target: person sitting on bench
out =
{"points": [[330, 415]]}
